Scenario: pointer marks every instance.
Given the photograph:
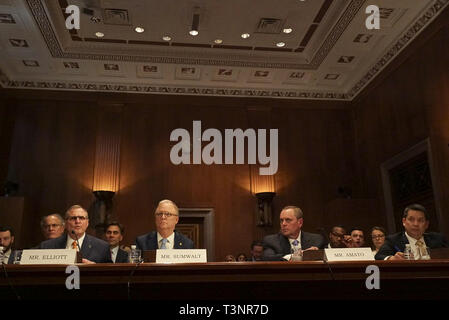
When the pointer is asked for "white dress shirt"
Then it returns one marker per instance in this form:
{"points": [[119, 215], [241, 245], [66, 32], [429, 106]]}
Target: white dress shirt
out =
{"points": [[170, 241], [114, 252], [412, 242], [298, 246], [70, 241]]}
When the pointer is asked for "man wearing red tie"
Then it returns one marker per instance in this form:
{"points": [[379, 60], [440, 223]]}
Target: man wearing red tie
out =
{"points": [[93, 250]]}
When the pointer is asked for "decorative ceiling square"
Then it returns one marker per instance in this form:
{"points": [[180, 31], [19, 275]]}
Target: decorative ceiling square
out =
{"points": [[311, 49]]}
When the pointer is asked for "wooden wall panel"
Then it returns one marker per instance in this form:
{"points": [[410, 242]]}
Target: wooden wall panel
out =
{"points": [[53, 152], [52, 158], [411, 104]]}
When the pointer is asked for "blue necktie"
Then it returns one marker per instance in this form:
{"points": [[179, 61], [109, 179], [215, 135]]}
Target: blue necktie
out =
{"points": [[164, 243]]}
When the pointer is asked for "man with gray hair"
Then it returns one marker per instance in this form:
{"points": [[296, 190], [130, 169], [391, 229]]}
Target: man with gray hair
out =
{"points": [[52, 226], [166, 217], [93, 250], [291, 238]]}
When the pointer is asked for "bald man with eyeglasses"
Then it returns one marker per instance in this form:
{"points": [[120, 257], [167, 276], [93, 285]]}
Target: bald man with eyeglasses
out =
{"points": [[93, 250], [165, 237]]}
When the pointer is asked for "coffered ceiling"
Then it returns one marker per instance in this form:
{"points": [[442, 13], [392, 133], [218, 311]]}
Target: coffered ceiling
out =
{"points": [[311, 49]]}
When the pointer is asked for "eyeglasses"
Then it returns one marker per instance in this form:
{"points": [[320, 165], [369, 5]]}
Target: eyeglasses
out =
{"points": [[73, 218], [338, 235], [167, 214], [377, 237], [48, 226]]}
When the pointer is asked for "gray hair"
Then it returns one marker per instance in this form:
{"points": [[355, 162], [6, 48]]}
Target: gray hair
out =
{"points": [[56, 215], [296, 210], [166, 201], [75, 207]]}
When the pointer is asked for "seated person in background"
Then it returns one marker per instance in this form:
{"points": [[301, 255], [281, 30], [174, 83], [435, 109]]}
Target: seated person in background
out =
{"points": [[256, 250], [280, 246], [167, 216], [415, 221], [93, 250], [357, 239], [52, 226], [6, 241], [337, 237], [114, 234], [242, 257], [378, 237], [230, 258]]}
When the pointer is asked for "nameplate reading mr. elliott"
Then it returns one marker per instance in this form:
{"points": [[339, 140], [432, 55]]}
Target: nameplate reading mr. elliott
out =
{"points": [[349, 254], [181, 255], [48, 256]]}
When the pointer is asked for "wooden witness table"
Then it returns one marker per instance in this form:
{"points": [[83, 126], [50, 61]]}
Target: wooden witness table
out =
{"points": [[256, 281]]}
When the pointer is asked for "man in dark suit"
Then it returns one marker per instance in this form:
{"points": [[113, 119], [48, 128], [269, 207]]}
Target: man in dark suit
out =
{"points": [[415, 221], [114, 234], [167, 216], [93, 250], [280, 246]]}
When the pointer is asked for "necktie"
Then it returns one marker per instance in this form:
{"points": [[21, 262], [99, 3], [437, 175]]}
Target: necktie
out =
{"points": [[164, 244], [422, 251], [74, 245], [295, 245]]}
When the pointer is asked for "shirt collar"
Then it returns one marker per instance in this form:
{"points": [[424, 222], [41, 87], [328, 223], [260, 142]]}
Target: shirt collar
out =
{"points": [[298, 238], [170, 240], [70, 241], [412, 240]]}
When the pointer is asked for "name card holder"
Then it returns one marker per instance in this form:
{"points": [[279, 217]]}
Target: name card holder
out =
{"points": [[181, 256], [349, 254], [50, 256]]}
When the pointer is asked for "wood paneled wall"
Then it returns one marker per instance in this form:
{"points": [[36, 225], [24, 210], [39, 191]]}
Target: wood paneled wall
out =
{"points": [[53, 150], [409, 105]]}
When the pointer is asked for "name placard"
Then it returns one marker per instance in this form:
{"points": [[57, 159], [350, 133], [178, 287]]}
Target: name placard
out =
{"points": [[48, 256], [348, 254], [181, 256]]}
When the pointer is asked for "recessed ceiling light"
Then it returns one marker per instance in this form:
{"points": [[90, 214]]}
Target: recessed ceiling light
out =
{"points": [[139, 29], [245, 35], [166, 38], [280, 44], [99, 34], [287, 30], [218, 41], [193, 32]]}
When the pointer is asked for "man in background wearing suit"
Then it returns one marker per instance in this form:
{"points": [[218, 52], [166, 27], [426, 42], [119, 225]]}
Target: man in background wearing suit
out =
{"points": [[415, 221], [279, 246], [93, 250], [114, 234], [166, 216], [52, 226]]}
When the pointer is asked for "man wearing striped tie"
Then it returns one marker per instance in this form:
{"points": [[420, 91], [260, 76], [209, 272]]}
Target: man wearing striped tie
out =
{"points": [[93, 250], [415, 221], [166, 217]]}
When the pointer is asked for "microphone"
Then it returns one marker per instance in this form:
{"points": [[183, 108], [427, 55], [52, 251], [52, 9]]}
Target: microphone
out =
{"points": [[77, 243]]}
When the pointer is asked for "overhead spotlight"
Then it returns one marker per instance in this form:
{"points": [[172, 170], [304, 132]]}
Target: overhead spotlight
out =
{"points": [[287, 30], [218, 41], [99, 34], [139, 29], [280, 44], [245, 35], [195, 22], [166, 38]]}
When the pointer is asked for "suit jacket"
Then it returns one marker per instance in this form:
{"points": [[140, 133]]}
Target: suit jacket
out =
{"points": [[396, 242], [122, 256], [276, 246], [93, 249], [149, 241]]}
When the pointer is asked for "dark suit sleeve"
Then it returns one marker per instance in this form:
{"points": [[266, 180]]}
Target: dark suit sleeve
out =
{"points": [[387, 249], [140, 243], [270, 251]]}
